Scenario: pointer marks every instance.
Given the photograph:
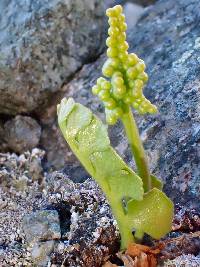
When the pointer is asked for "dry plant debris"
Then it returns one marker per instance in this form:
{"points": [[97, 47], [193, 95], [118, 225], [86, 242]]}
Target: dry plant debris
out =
{"points": [[138, 255]]}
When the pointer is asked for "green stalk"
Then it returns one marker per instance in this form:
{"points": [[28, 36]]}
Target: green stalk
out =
{"points": [[122, 221], [119, 214], [137, 148]]}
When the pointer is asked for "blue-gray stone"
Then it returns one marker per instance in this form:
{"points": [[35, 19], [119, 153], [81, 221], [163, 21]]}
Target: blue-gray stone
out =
{"points": [[42, 43]]}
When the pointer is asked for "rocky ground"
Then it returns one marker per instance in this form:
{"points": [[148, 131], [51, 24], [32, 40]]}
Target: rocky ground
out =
{"points": [[51, 212], [48, 220]]}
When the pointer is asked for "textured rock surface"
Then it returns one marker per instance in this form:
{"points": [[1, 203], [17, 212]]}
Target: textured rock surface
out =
{"points": [[27, 167], [87, 233], [42, 43], [20, 194], [184, 260], [22, 133], [41, 251], [172, 56], [132, 12], [91, 236], [122, 2], [143, 2], [41, 226], [83, 233]]}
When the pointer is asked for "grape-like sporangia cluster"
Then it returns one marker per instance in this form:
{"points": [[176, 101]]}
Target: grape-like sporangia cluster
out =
{"points": [[126, 72]]}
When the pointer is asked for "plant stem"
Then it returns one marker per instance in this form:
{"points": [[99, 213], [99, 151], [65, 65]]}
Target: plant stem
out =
{"points": [[137, 148], [120, 216], [122, 221]]}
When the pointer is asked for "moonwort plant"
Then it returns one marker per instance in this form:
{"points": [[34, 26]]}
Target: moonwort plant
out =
{"points": [[136, 200]]}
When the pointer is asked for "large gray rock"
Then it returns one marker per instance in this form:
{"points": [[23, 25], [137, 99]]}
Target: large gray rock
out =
{"points": [[22, 133], [122, 2], [167, 38], [143, 2], [133, 12], [42, 43]]}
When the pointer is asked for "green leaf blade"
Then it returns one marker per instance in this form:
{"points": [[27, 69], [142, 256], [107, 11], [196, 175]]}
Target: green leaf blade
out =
{"points": [[88, 138], [153, 215], [121, 179]]}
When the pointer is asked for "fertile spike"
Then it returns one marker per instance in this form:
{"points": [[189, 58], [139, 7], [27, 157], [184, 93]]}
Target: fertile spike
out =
{"points": [[126, 73]]}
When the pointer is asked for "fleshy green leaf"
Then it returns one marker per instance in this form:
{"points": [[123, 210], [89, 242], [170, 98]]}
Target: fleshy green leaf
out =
{"points": [[153, 215], [67, 107], [122, 181], [88, 138]]}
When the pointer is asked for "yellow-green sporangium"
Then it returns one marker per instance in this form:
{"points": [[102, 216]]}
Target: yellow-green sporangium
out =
{"points": [[125, 73]]}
